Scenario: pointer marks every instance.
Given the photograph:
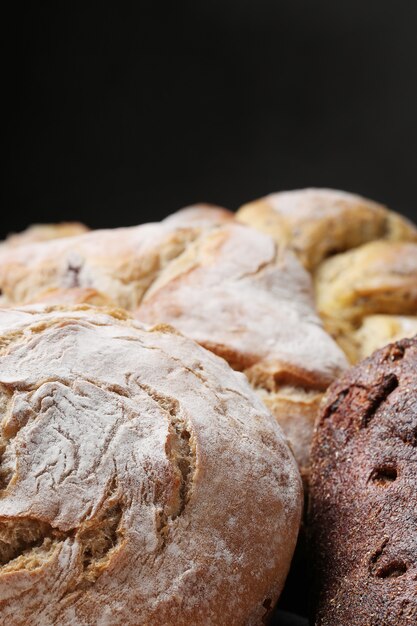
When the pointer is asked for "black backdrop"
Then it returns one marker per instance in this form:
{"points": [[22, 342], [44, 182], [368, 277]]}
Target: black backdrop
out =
{"points": [[123, 114]]}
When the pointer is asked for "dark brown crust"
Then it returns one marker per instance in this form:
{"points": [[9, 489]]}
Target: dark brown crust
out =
{"points": [[363, 494]]}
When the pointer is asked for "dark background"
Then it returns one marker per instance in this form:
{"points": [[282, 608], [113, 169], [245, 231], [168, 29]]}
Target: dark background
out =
{"points": [[123, 114]]}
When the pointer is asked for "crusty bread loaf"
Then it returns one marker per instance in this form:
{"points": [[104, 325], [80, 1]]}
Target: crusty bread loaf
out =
{"points": [[142, 481], [362, 256], [119, 263], [317, 223], [363, 496], [377, 278], [225, 285]]}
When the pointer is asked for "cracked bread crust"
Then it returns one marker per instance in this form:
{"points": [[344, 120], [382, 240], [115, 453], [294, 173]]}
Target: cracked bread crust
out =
{"points": [[363, 498], [142, 481]]}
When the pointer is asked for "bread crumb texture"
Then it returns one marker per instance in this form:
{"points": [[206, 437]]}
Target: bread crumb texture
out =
{"points": [[141, 479]]}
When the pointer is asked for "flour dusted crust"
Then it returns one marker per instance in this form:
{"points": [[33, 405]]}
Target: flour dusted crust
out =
{"points": [[225, 285], [317, 223], [234, 292], [44, 232], [363, 497], [142, 481], [363, 258], [119, 263]]}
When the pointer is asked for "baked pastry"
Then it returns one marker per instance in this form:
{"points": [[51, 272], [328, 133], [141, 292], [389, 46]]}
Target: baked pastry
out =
{"points": [[362, 256], [377, 278], [317, 223], [221, 283], [142, 481], [378, 330], [44, 232], [363, 497]]}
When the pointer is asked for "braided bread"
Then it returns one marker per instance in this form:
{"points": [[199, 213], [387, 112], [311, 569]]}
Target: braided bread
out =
{"points": [[362, 256]]}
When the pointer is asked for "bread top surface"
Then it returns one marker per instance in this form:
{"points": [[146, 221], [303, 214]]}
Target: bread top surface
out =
{"points": [[142, 480], [221, 283], [316, 223], [237, 294], [200, 215], [119, 263], [44, 232], [363, 498], [101, 260]]}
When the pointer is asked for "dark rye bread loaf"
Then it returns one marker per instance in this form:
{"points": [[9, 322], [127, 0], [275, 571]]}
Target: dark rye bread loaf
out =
{"points": [[363, 496]]}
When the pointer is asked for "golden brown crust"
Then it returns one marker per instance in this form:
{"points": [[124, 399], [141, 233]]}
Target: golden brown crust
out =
{"points": [[377, 278], [142, 481], [317, 223], [363, 499]]}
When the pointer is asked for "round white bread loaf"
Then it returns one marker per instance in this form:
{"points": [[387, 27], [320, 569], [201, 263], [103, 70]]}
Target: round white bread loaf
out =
{"points": [[142, 480]]}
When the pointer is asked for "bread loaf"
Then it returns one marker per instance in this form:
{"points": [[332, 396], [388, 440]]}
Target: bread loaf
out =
{"points": [[363, 497], [318, 223], [142, 481], [377, 278], [230, 288]]}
